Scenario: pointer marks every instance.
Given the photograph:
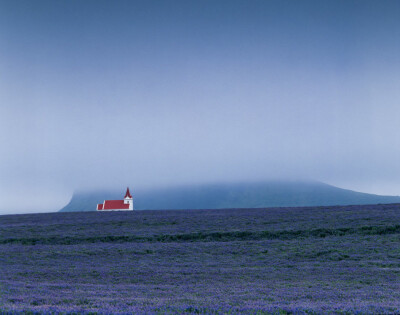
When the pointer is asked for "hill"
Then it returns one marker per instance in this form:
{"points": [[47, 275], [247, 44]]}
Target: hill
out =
{"points": [[238, 195]]}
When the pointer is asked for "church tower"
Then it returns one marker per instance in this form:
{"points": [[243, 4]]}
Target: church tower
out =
{"points": [[128, 199]]}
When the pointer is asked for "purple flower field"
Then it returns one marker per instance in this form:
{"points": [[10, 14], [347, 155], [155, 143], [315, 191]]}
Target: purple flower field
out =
{"points": [[251, 261]]}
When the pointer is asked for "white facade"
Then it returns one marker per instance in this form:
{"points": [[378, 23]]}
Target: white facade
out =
{"points": [[130, 201]]}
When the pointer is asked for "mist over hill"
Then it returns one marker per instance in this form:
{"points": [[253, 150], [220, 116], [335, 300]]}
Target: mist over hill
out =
{"points": [[237, 195]]}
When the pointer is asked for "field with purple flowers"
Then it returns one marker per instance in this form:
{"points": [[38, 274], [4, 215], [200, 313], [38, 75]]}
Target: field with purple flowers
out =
{"points": [[255, 261]]}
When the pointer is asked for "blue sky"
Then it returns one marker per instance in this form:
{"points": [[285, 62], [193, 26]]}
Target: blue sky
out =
{"points": [[99, 94]]}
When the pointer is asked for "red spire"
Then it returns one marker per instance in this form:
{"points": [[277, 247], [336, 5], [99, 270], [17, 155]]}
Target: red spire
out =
{"points": [[128, 194]]}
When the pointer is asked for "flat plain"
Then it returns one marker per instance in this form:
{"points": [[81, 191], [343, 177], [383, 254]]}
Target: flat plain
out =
{"points": [[257, 261]]}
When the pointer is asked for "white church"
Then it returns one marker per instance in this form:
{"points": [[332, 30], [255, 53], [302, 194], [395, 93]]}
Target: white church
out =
{"points": [[117, 205]]}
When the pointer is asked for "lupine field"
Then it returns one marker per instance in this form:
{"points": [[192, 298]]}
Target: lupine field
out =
{"points": [[237, 261]]}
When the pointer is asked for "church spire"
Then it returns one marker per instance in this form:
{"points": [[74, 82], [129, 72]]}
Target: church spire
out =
{"points": [[128, 194]]}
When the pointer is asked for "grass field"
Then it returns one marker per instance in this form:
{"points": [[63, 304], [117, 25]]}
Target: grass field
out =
{"points": [[256, 261]]}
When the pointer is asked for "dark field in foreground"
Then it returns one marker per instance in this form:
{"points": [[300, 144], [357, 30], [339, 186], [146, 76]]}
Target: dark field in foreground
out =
{"points": [[326, 259]]}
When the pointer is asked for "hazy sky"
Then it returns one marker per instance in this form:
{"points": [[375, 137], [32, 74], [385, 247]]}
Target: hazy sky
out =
{"points": [[98, 94]]}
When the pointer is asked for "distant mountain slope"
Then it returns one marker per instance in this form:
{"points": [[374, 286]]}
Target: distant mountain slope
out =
{"points": [[240, 195]]}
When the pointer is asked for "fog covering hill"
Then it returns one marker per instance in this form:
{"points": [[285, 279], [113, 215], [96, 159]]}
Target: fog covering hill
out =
{"points": [[238, 195]]}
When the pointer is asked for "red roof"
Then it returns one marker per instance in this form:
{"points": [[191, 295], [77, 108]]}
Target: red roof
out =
{"points": [[115, 204], [100, 206], [128, 194]]}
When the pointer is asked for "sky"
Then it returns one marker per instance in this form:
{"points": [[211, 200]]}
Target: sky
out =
{"points": [[104, 94]]}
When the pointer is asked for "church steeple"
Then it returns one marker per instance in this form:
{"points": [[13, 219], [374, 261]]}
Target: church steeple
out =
{"points": [[128, 194], [128, 199]]}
